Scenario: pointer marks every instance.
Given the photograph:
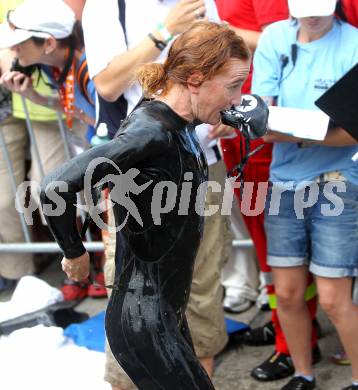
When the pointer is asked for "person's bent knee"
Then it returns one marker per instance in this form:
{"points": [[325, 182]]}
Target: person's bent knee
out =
{"points": [[289, 297], [333, 307]]}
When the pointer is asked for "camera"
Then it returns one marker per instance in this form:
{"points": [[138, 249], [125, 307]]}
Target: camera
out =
{"points": [[26, 70]]}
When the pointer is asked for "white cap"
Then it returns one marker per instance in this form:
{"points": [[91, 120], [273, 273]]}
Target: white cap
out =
{"points": [[307, 8], [37, 18]]}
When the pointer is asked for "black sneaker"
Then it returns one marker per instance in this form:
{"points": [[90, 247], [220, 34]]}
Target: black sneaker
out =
{"points": [[299, 383], [351, 387], [279, 366], [263, 335]]}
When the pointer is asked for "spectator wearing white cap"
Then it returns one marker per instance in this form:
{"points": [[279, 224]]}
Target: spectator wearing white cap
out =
{"points": [[295, 62], [46, 33], [51, 150], [39, 32]]}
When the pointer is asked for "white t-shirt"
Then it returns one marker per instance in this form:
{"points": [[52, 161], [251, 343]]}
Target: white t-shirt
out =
{"points": [[104, 37]]}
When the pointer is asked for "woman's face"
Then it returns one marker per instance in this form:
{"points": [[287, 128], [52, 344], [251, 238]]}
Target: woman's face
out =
{"points": [[221, 92], [29, 53], [316, 25]]}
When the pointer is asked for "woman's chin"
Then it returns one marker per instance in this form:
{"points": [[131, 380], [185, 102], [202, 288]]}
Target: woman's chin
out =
{"points": [[24, 63], [215, 120]]}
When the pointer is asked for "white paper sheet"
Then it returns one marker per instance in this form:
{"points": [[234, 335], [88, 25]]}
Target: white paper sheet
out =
{"points": [[306, 124]]}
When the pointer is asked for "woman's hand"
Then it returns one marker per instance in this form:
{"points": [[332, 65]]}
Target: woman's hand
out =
{"points": [[19, 83], [78, 268], [184, 14], [273, 136], [221, 130]]}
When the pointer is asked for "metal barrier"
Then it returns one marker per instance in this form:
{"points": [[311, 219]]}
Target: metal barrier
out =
{"points": [[96, 246], [29, 246], [52, 247]]}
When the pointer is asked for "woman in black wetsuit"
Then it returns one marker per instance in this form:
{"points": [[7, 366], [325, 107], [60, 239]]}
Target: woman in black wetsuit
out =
{"points": [[145, 321]]}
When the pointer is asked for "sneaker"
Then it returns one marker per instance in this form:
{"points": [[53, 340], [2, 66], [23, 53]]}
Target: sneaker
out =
{"points": [[341, 358], [236, 305], [299, 383], [351, 387], [97, 289], [73, 291], [263, 335], [262, 301], [279, 366]]}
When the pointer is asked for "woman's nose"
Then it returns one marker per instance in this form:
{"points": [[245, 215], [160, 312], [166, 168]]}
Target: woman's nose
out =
{"points": [[236, 100]]}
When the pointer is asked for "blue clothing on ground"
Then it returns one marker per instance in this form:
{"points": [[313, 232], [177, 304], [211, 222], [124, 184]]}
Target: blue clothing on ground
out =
{"points": [[318, 66], [89, 334]]}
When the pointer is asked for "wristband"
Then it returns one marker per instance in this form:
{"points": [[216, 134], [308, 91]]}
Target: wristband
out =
{"points": [[158, 43], [164, 32]]}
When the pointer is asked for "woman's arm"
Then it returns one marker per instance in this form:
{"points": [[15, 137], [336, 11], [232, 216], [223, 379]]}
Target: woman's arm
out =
{"points": [[336, 137], [106, 162], [120, 70], [19, 83]]}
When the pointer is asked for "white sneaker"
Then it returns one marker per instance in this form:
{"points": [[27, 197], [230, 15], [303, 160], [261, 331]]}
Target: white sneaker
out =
{"points": [[262, 301], [236, 304]]}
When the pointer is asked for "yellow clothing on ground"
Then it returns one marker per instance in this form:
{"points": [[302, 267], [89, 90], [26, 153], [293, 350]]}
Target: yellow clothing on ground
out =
{"points": [[36, 112]]}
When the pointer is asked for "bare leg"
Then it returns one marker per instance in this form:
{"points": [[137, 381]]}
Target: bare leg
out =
{"points": [[290, 285], [335, 297]]}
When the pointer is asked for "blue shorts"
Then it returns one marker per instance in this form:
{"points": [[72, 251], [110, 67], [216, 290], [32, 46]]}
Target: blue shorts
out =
{"points": [[323, 236]]}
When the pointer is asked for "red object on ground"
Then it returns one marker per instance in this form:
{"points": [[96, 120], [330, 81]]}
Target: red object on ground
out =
{"points": [[97, 289], [73, 291]]}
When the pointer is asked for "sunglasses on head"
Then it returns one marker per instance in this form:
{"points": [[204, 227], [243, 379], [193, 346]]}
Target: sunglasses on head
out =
{"points": [[14, 27]]}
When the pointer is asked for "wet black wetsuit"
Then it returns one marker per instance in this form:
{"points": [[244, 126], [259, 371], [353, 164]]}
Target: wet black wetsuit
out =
{"points": [[145, 321]]}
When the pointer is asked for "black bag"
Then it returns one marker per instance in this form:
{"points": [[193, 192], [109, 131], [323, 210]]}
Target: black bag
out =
{"points": [[59, 314]]}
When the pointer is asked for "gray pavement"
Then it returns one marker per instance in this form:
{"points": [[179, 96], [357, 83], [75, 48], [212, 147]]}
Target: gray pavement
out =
{"points": [[232, 367]]}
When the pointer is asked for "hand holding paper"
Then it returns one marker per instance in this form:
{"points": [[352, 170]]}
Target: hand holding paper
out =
{"points": [[300, 123]]}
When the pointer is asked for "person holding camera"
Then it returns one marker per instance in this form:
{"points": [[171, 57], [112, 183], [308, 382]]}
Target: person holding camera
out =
{"points": [[47, 43], [53, 40], [51, 150]]}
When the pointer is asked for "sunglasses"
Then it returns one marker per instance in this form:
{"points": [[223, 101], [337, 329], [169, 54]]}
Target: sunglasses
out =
{"points": [[13, 27]]}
